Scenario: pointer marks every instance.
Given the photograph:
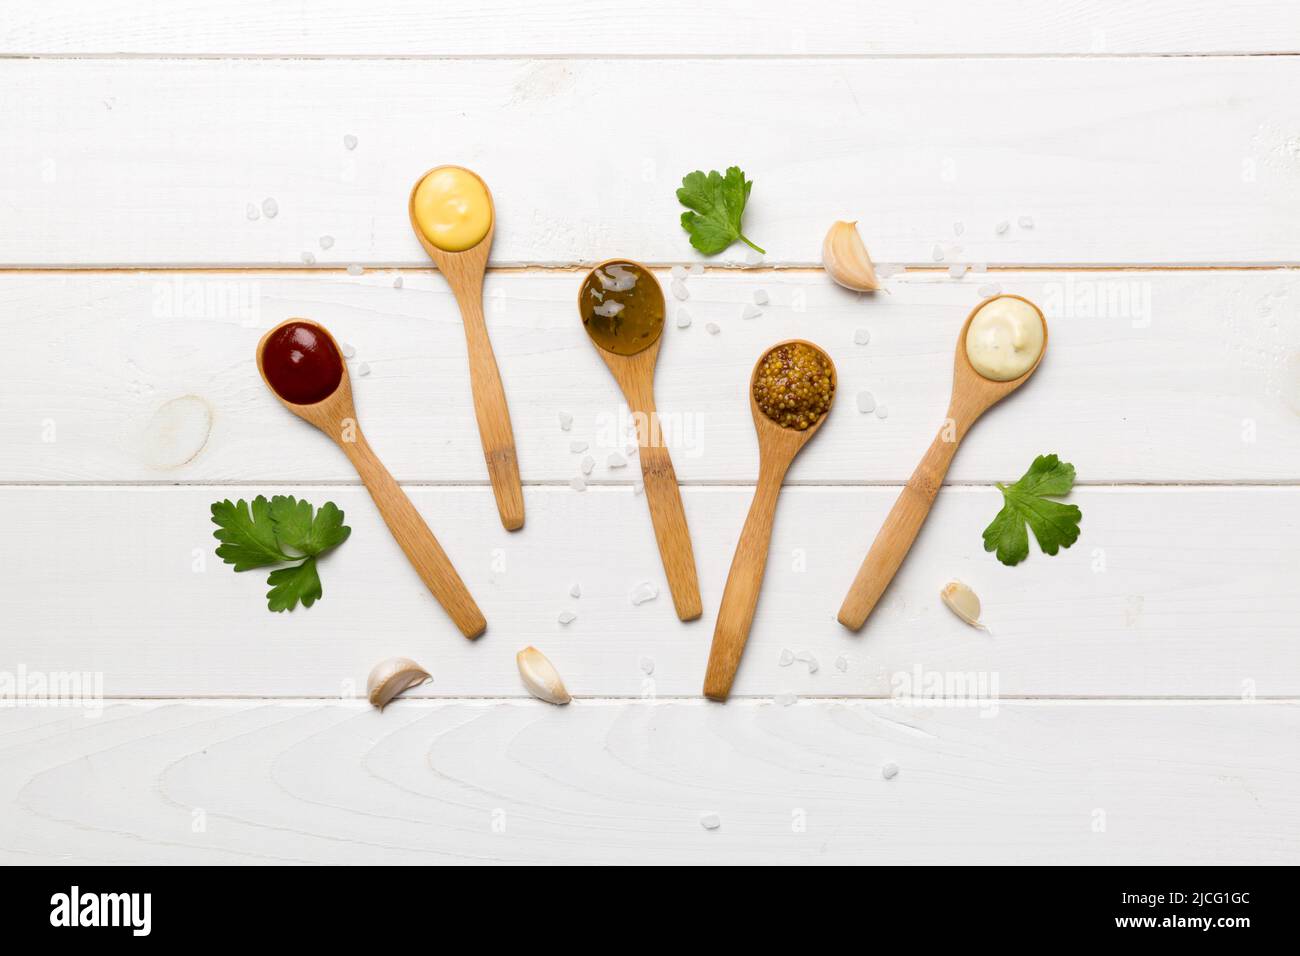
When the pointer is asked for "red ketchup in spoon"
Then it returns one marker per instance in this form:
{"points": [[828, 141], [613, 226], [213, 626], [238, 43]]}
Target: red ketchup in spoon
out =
{"points": [[301, 363]]}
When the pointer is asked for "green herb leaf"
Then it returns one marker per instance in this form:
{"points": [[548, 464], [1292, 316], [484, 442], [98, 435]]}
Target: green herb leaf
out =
{"points": [[294, 584], [298, 528], [247, 537], [1055, 525], [717, 202]]}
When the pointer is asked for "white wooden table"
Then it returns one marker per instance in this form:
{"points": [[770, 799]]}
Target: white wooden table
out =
{"points": [[1146, 680]]}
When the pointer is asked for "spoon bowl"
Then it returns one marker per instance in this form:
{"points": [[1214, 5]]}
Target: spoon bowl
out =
{"points": [[464, 271], [972, 396], [634, 372], [777, 447], [335, 415]]}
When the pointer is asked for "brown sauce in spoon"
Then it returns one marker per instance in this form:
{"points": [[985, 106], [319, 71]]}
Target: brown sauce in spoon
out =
{"points": [[301, 363], [622, 307]]}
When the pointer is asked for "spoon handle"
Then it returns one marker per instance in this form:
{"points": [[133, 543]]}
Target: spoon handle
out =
{"points": [[490, 408], [413, 534], [671, 532], [900, 529], [739, 599]]}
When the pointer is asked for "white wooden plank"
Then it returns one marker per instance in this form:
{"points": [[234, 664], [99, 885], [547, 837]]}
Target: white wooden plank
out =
{"points": [[1167, 377], [603, 28], [252, 782], [1168, 592], [1118, 161]]}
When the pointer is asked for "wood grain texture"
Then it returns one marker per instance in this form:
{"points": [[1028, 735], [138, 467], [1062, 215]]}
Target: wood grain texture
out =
{"points": [[972, 396], [607, 28], [1168, 592], [148, 377], [635, 376], [464, 272], [336, 416], [1118, 161], [464, 782]]}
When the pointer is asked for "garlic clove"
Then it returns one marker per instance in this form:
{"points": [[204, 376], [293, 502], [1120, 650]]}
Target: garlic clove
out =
{"points": [[390, 677], [540, 677], [963, 602], [846, 260]]}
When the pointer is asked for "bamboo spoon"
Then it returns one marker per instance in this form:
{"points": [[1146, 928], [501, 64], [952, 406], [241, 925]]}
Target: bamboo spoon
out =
{"points": [[972, 396], [464, 273], [777, 447], [336, 416], [635, 376]]}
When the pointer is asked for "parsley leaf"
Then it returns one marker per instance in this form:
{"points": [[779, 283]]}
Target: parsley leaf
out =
{"points": [[265, 533], [1055, 525], [717, 202], [293, 584], [247, 539]]}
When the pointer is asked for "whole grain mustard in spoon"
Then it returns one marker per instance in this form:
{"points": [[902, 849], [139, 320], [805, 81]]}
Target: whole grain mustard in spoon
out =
{"points": [[303, 366], [1001, 344], [453, 216], [790, 394], [622, 309]]}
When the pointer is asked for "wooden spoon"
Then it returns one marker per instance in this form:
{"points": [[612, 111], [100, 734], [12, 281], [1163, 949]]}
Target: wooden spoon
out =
{"points": [[972, 396], [337, 418], [635, 376], [777, 447], [464, 273]]}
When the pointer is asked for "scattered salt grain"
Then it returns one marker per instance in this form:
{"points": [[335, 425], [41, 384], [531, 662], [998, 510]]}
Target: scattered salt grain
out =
{"points": [[958, 228], [886, 269], [989, 289], [680, 291], [643, 592], [750, 312], [679, 272], [1025, 222], [355, 270], [889, 771], [349, 351], [578, 483], [866, 402], [696, 268], [882, 411], [567, 617], [1002, 227], [253, 212], [638, 487], [807, 658], [760, 297], [576, 447], [327, 242], [785, 698], [841, 663], [956, 271], [712, 328], [270, 208], [710, 821], [566, 421], [349, 141], [397, 283], [615, 460], [588, 463], [980, 267], [937, 253], [308, 258], [608, 309], [786, 658], [683, 319], [363, 369], [647, 665], [575, 591], [861, 336]]}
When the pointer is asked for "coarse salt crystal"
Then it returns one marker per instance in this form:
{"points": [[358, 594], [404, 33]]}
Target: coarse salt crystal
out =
{"points": [[327, 242], [710, 821], [308, 258], [253, 212], [750, 312], [576, 447], [575, 591], [956, 271], [980, 267], [760, 297], [861, 336], [1026, 222], [958, 228], [679, 272], [647, 665], [348, 351], [397, 283], [588, 463], [355, 269], [882, 411], [643, 592], [566, 421], [363, 369], [638, 487], [889, 771], [679, 290], [696, 268], [712, 328], [786, 658], [808, 659], [578, 483], [683, 319], [866, 402], [937, 253], [1002, 227], [785, 698], [615, 460], [270, 208], [349, 141], [841, 663], [567, 617]]}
